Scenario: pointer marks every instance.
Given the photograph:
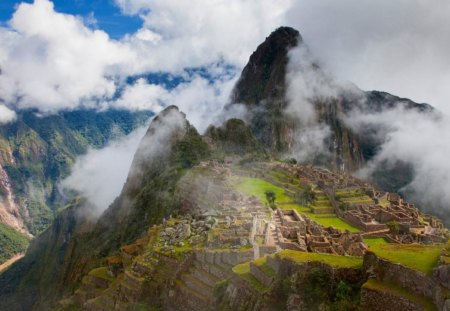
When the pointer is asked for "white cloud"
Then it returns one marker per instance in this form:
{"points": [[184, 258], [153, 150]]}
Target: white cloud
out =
{"points": [[202, 101], [199, 98], [396, 46], [142, 95], [6, 114], [198, 32], [418, 139], [53, 61], [100, 174]]}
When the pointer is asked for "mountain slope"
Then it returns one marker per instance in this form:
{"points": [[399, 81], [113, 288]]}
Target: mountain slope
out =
{"points": [[36, 153], [269, 88]]}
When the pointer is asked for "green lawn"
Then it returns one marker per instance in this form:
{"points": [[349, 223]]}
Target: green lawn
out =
{"points": [[326, 220], [318, 207], [257, 187], [398, 291], [415, 256], [332, 260], [356, 199]]}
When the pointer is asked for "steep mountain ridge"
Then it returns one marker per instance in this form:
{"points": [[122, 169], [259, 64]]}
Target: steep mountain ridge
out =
{"points": [[36, 152], [264, 88]]}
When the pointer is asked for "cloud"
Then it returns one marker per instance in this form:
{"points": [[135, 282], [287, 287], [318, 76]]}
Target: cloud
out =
{"points": [[396, 46], [198, 32], [142, 96], [308, 85], [6, 114], [201, 99], [53, 61], [420, 139], [100, 174]]}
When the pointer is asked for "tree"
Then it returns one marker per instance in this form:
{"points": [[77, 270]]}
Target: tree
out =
{"points": [[270, 196], [393, 226]]}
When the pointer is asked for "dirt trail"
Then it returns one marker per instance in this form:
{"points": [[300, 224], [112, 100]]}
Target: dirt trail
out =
{"points": [[9, 262]]}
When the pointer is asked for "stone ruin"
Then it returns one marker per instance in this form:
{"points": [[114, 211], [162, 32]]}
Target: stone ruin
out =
{"points": [[298, 232], [371, 217], [412, 226]]}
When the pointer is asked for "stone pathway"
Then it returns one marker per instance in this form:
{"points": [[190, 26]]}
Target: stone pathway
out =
{"points": [[272, 237]]}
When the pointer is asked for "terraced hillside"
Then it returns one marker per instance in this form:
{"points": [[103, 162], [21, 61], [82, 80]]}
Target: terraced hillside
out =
{"points": [[230, 249]]}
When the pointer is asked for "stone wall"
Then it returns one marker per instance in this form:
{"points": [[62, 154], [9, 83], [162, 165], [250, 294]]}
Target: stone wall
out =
{"points": [[228, 257], [262, 277], [266, 250], [381, 301], [386, 271], [240, 296]]}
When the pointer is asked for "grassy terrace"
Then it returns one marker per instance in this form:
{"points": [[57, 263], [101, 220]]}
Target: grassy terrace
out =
{"points": [[399, 291], [261, 263], [421, 258], [352, 196], [326, 220], [102, 273], [358, 199], [258, 187], [243, 271], [332, 260]]}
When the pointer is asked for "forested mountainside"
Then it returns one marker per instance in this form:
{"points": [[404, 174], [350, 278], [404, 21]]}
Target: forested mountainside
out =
{"points": [[36, 152]]}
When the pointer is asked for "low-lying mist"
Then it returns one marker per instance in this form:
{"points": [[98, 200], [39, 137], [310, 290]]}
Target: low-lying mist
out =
{"points": [[100, 174]]}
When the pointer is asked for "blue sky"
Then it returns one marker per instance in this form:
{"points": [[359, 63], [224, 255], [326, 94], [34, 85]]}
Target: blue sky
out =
{"points": [[108, 15]]}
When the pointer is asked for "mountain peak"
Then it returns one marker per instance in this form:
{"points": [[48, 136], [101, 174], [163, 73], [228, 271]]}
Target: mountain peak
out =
{"points": [[264, 75], [288, 35]]}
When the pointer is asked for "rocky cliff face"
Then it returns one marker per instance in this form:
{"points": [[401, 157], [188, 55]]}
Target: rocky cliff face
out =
{"points": [[273, 96], [263, 88]]}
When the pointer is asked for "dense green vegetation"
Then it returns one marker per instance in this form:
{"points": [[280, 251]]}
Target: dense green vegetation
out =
{"points": [[318, 288], [11, 243], [422, 258]]}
